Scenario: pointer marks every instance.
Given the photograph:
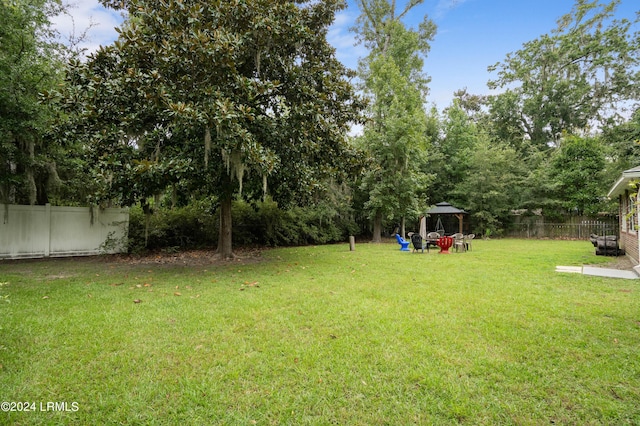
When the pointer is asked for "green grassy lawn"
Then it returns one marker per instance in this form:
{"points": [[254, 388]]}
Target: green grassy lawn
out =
{"points": [[321, 335]]}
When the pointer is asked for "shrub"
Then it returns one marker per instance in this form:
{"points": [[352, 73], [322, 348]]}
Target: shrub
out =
{"points": [[263, 223], [190, 226]]}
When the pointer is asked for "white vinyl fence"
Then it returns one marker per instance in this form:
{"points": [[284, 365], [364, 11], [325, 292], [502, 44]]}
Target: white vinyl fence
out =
{"points": [[46, 231]]}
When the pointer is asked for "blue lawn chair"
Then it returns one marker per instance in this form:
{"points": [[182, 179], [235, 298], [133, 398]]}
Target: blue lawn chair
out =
{"points": [[404, 244]]}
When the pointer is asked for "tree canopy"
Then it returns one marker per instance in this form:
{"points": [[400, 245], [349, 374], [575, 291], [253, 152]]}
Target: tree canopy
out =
{"points": [[30, 63], [213, 94], [213, 103], [579, 75], [395, 133]]}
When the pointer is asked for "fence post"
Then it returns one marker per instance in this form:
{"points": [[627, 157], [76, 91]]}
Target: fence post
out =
{"points": [[580, 230], [47, 221]]}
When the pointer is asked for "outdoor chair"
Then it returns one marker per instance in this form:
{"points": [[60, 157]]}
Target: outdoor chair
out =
{"points": [[458, 241], [468, 239], [404, 244], [445, 244], [432, 239], [419, 243]]}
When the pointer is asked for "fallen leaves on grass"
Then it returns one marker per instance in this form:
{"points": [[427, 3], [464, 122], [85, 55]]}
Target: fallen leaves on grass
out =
{"points": [[137, 301], [205, 257], [249, 284]]}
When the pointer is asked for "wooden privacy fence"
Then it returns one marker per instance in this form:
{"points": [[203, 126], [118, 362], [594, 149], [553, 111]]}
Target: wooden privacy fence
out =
{"points": [[580, 230], [44, 231]]}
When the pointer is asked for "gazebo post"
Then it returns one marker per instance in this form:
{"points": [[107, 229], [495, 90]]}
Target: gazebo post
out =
{"points": [[460, 218]]}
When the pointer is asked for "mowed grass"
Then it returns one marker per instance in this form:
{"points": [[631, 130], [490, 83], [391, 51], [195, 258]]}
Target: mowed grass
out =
{"points": [[321, 335]]}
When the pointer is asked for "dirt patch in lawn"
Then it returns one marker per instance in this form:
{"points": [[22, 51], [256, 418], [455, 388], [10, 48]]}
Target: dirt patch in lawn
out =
{"points": [[204, 257], [52, 269], [619, 262]]}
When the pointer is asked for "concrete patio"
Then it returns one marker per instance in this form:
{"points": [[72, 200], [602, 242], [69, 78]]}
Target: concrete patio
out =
{"points": [[629, 274]]}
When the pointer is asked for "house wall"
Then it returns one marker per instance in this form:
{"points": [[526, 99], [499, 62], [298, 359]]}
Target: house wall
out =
{"points": [[629, 227], [43, 231]]}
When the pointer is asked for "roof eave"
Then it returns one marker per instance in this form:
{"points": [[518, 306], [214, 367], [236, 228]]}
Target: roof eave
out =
{"points": [[623, 183]]}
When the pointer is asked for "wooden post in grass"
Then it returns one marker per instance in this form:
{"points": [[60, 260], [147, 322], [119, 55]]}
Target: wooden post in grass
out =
{"points": [[352, 243]]}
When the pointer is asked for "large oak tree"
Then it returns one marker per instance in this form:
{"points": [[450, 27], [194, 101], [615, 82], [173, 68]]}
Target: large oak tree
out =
{"points": [[30, 63], [582, 73]]}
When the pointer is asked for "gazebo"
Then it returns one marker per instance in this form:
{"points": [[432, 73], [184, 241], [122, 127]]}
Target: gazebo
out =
{"points": [[446, 209]]}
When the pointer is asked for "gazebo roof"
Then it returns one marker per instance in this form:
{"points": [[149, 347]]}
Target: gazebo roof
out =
{"points": [[445, 208]]}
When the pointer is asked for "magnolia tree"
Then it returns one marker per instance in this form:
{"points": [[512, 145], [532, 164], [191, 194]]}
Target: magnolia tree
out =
{"points": [[222, 98]]}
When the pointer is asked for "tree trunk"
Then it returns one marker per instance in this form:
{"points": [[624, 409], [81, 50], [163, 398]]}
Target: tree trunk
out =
{"points": [[147, 220], [377, 228], [403, 232], [225, 246]]}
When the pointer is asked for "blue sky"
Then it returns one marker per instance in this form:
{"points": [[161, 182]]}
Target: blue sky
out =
{"points": [[472, 34]]}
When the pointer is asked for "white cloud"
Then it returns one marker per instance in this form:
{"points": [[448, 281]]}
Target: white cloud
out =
{"points": [[445, 6], [344, 40], [91, 17]]}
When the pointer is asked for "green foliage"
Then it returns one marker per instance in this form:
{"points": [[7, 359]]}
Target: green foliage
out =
{"points": [[506, 121], [622, 146], [380, 28], [565, 81], [490, 185], [577, 168], [319, 224], [452, 151], [250, 96], [261, 223], [190, 226], [395, 140], [583, 75], [538, 188], [33, 165], [395, 135]]}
